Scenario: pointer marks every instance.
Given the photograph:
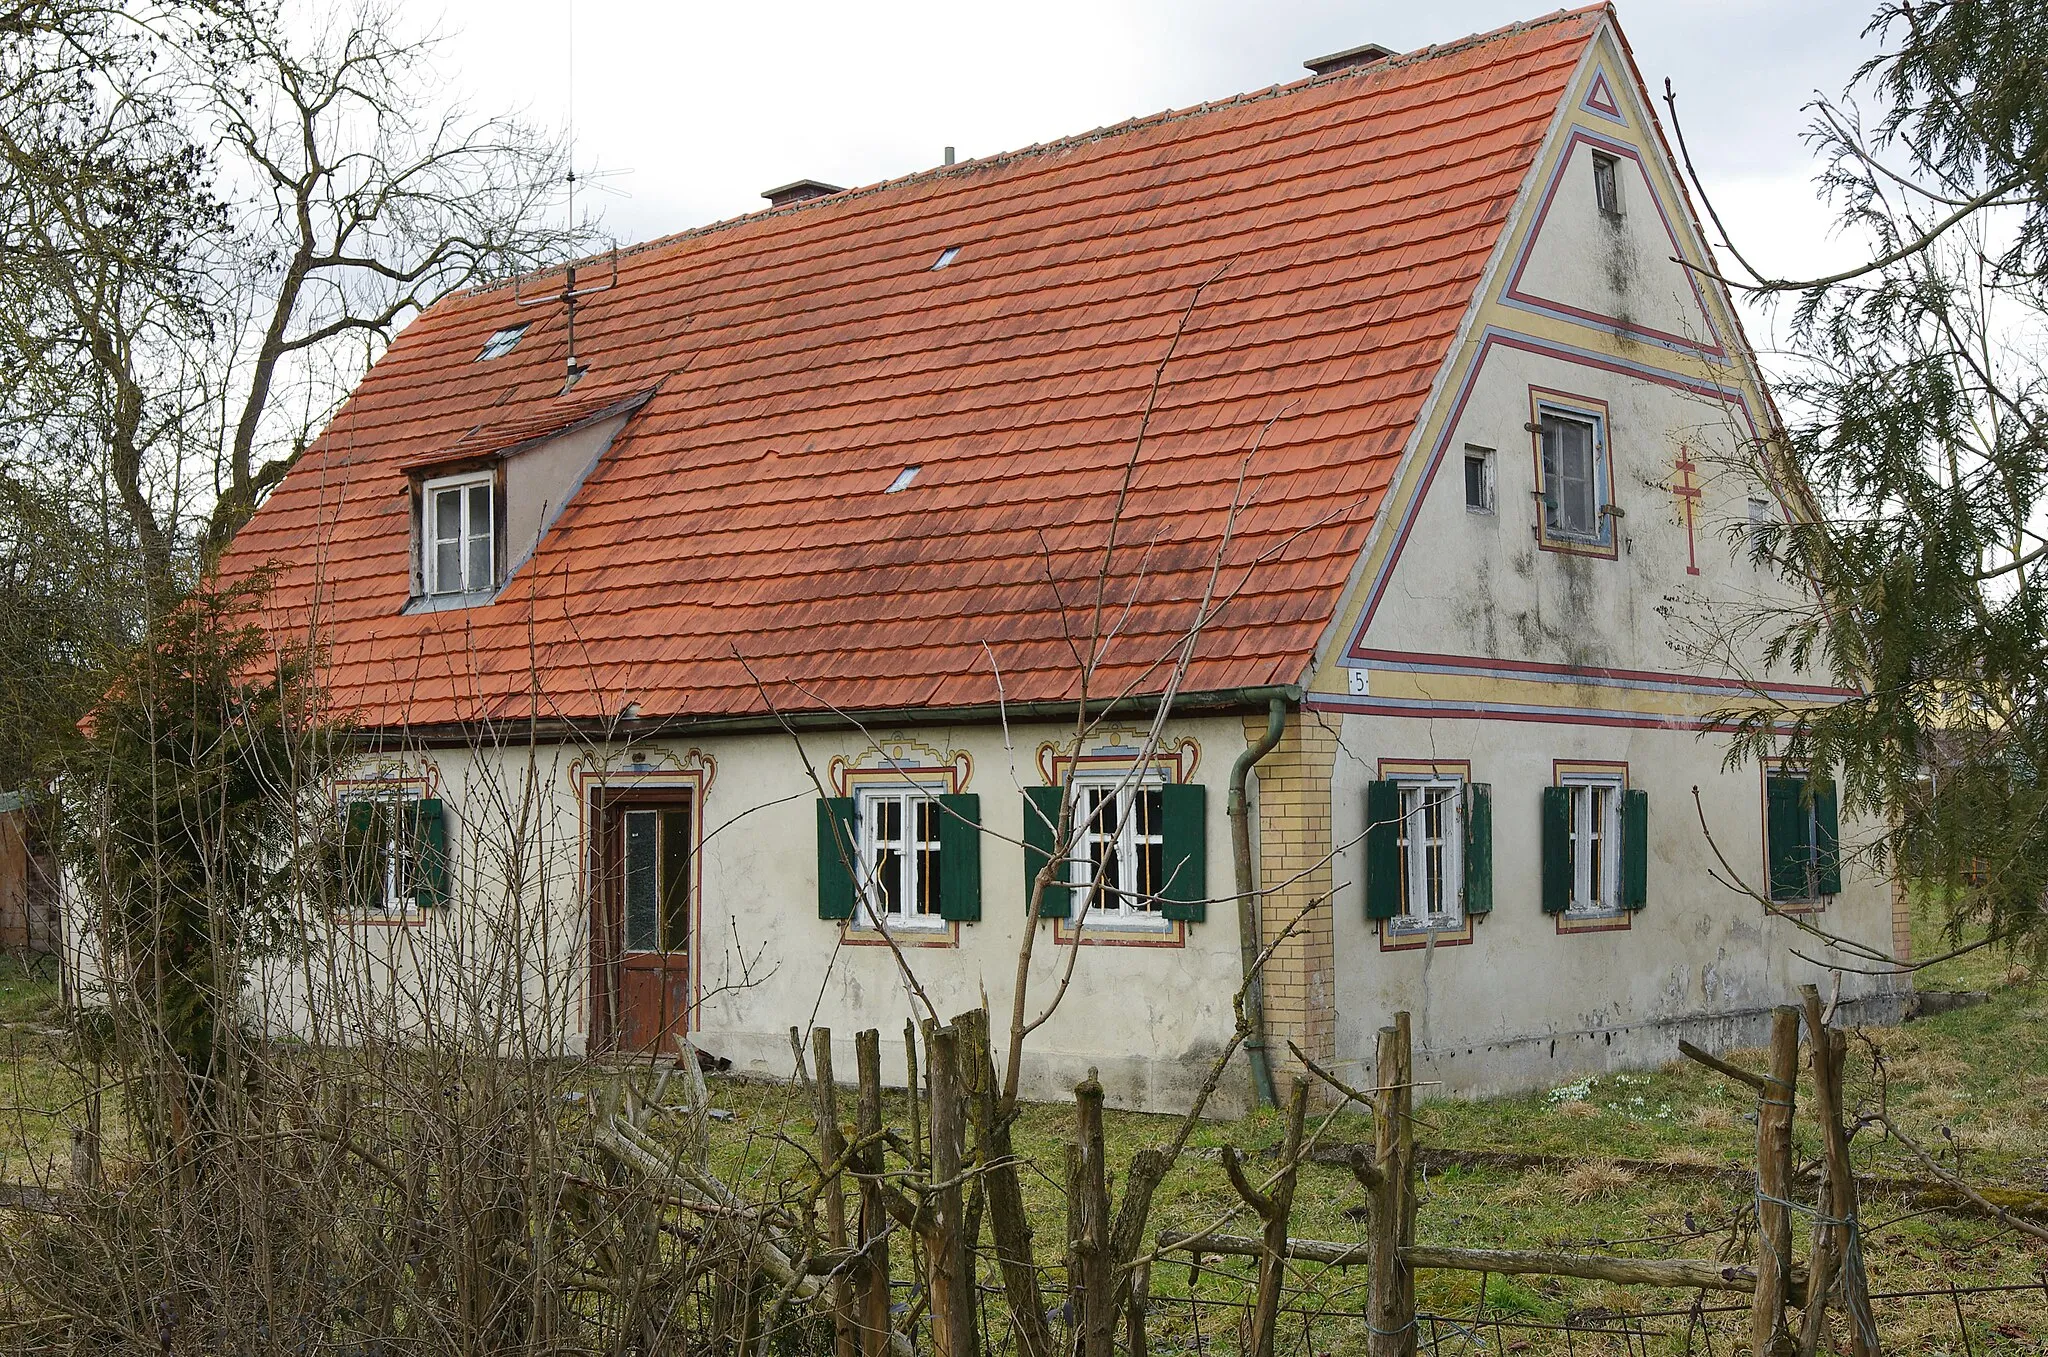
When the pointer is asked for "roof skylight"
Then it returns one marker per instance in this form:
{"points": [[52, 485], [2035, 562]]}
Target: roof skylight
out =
{"points": [[947, 256], [903, 479], [501, 343]]}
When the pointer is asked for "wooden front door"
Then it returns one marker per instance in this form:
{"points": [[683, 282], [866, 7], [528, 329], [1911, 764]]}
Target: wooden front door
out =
{"points": [[641, 942]]}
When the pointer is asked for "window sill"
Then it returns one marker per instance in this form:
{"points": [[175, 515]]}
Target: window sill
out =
{"points": [[926, 927], [442, 603], [1097, 922]]}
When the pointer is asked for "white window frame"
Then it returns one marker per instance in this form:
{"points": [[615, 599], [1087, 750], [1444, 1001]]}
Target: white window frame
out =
{"points": [[501, 342], [1601, 533], [871, 914], [1594, 825], [396, 888], [1133, 910], [1417, 914], [430, 581], [1488, 495]]}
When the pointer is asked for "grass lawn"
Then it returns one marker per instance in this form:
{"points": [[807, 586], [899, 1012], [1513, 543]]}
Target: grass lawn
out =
{"points": [[1981, 1073]]}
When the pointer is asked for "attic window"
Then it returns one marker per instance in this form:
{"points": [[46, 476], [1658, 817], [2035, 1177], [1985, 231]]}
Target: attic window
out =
{"points": [[501, 343], [1607, 184], [903, 480], [947, 256]]}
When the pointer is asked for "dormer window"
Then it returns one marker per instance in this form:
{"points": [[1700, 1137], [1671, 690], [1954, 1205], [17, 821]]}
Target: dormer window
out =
{"points": [[458, 535]]}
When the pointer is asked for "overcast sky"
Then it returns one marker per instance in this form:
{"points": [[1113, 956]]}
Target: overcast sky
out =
{"points": [[696, 107]]}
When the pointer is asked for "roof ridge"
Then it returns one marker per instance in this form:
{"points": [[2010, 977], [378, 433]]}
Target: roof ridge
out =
{"points": [[999, 159]]}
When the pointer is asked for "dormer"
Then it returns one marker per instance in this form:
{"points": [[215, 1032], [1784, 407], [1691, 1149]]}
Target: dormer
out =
{"points": [[481, 506]]}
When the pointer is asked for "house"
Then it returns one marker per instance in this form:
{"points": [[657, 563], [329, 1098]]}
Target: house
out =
{"points": [[730, 658]]}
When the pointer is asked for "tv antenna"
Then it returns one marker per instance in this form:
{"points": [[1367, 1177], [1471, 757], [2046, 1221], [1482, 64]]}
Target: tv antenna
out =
{"points": [[570, 290]]}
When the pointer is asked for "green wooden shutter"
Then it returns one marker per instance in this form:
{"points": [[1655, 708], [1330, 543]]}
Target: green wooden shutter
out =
{"points": [[1184, 809], [1478, 848], [1557, 849], [1827, 843], [1635, 849], [1041, 822], [838, 852], [362, 877], [429, 843], [960, 858], [1786, 847], [1382, 850]]}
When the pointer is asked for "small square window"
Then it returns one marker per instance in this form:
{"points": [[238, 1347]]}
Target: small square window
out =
{"points": [[501, 343], [1478, 479], [458, 536], [1607, 184], [1759, 510]]}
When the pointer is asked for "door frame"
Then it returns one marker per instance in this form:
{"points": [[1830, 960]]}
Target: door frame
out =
{"points": [[607, 801]]}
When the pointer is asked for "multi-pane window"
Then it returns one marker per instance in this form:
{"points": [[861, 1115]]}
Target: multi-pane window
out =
{"points": [[1432, 852], [457, 536], [394, 853], [657, 878], [1119, 867], [1607, 184], [1478, 479], [1802, 835], [1595, 845], [900, 858], [1572, 472]]}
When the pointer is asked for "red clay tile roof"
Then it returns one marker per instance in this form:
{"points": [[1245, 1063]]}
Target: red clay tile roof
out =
{"points": [[801, 358]]}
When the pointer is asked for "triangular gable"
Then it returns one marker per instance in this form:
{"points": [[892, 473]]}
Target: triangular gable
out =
{"points": [[1490, 328], [1600, 100]]}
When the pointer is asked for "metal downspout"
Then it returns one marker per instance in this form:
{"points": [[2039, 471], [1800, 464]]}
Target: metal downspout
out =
{"points": [[1249, 934]]}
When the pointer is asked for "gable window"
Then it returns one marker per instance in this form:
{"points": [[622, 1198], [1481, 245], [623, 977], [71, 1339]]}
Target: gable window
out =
{"points": [[1428, 851], [1574, 476], [1478, 479], [1802, 838], [1607, 184], [501, 343], [394, 855], [458, 535]]}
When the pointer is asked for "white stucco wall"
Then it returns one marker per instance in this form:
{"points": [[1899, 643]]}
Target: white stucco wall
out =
{"points": [[1148, 1012]]}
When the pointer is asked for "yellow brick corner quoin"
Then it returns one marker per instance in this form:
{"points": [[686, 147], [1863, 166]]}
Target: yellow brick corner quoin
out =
{"points": [[1293, 846]]}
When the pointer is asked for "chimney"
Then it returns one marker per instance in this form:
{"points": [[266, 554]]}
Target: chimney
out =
{"points": [[1363, 55], [800, 191]]}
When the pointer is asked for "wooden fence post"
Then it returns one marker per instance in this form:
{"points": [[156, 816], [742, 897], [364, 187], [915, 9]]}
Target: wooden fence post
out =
{"points": [[1390, 1199], [871, 1275], [1768, 1335], [1009, 1225], [1274, 1210], [946, 1243], [1089, 1282], [1837, 1252], [832, 1150]]}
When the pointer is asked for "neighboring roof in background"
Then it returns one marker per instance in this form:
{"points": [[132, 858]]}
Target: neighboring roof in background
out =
{"points": [[801, 359]]}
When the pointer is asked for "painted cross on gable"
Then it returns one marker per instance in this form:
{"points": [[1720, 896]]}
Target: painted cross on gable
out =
{"points": [[1688, 500]]}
